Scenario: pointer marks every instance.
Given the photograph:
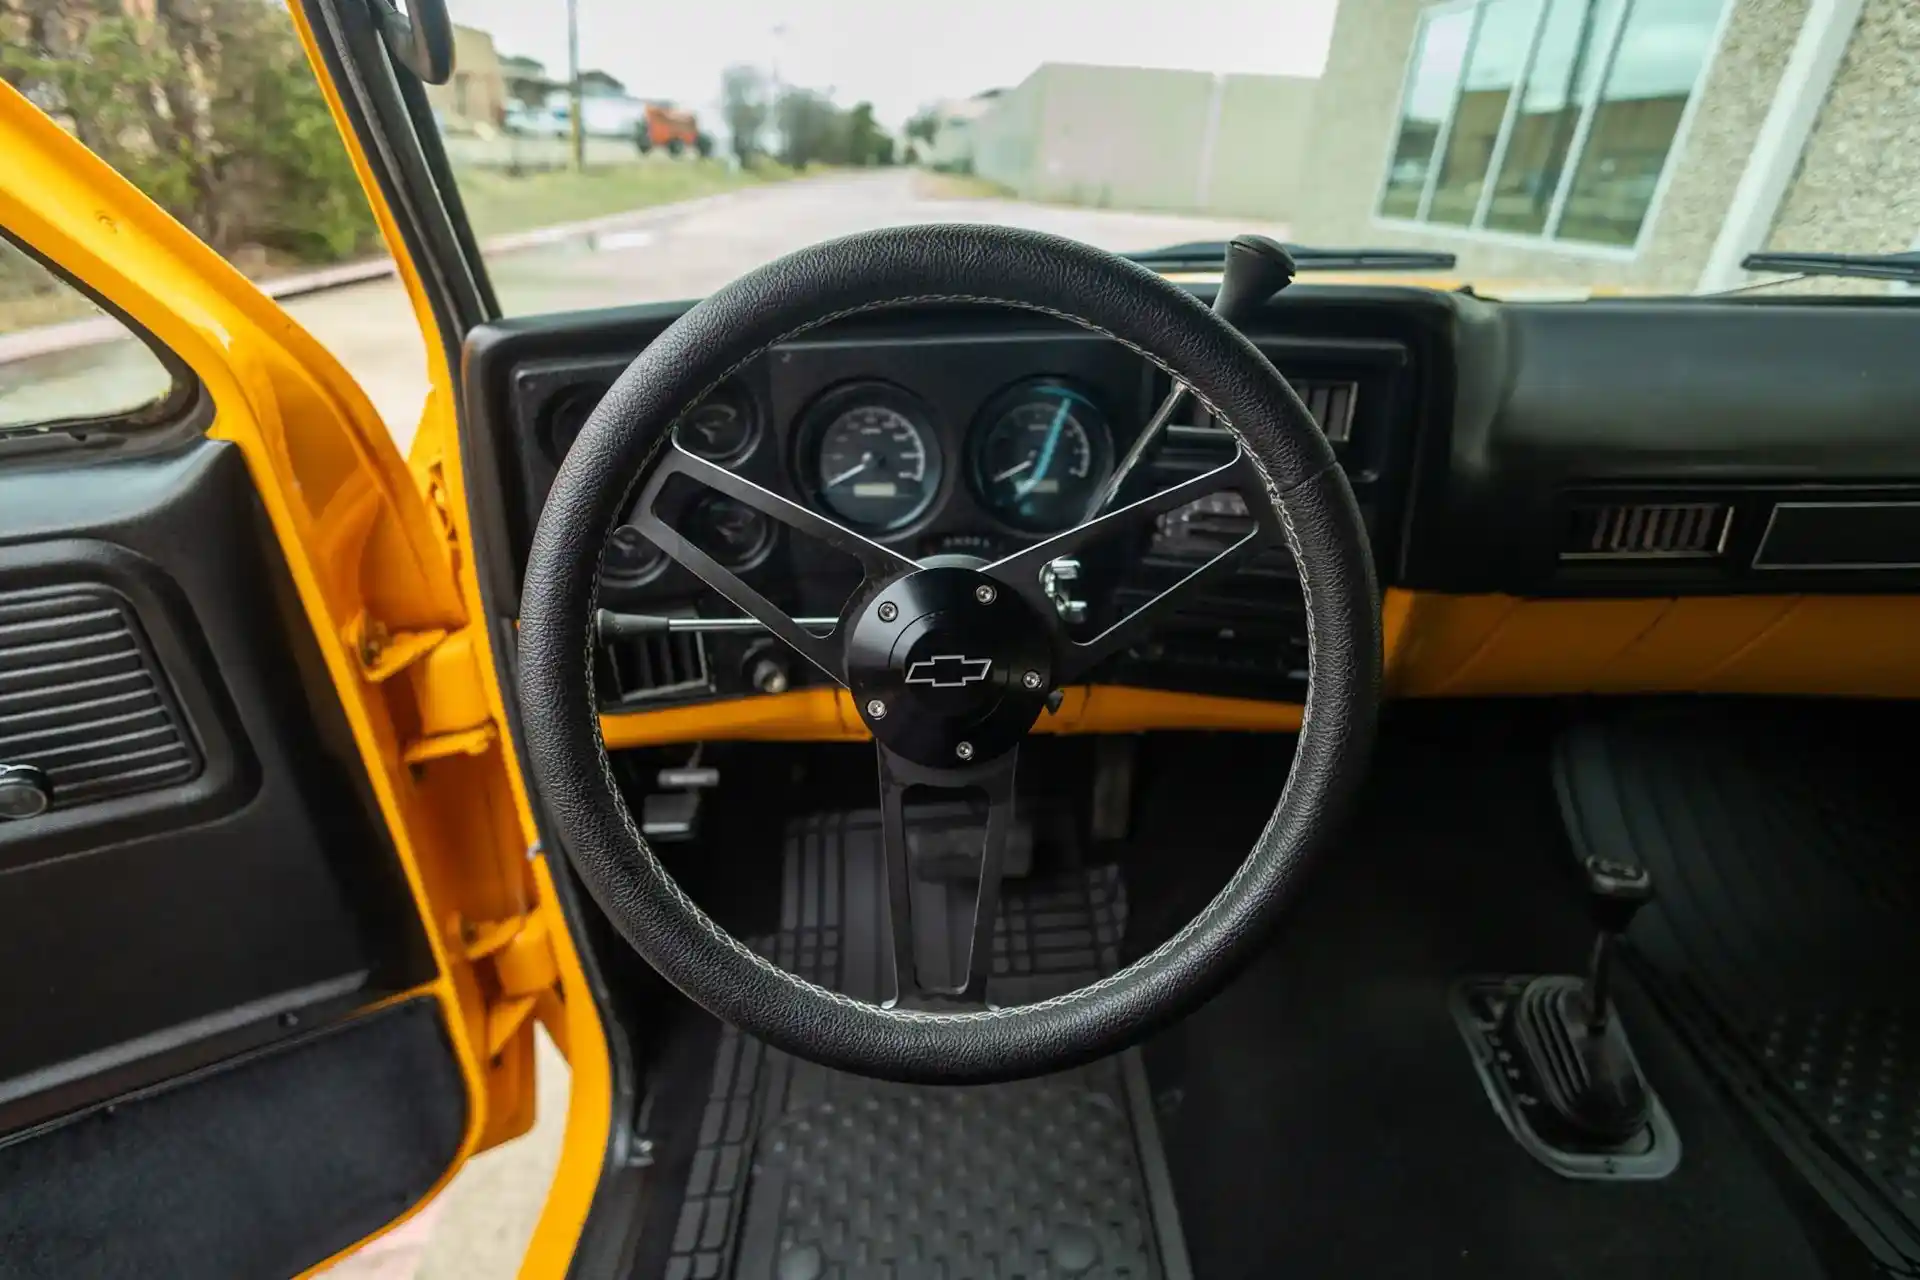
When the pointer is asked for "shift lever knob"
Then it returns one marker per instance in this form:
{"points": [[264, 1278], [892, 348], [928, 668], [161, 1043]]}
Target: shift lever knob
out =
{"points": [[1255, 269], [1615, 892]]}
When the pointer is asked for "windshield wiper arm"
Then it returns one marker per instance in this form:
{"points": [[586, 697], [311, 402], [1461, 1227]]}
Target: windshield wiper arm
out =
{"points": [[1210, 253], [1865, 266]]}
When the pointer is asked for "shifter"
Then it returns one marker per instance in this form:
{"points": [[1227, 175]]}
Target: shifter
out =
{"points": [[1566, 1028]]}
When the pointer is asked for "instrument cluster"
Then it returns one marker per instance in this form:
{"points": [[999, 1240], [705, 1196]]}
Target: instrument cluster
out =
{"points": [[870, 454]]}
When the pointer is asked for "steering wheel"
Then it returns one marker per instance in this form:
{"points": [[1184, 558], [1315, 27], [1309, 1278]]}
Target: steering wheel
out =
{"points": [[950, 665]]}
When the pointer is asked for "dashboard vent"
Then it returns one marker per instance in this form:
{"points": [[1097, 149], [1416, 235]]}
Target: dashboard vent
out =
{"points": [[82, 698], [664, 665], [1647, 531], [1330, 402]]}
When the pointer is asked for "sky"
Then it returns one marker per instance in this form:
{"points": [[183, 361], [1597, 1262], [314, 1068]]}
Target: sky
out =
{"points": [[901, 54]]}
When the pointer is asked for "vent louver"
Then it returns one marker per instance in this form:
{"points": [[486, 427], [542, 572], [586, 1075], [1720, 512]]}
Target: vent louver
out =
{"points": [[1647, 531], [657, 666], [1330, 402], [82, 699]]}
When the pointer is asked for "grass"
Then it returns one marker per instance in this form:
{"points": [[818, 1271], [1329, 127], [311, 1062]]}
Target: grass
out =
{"points": [[499, 202]]}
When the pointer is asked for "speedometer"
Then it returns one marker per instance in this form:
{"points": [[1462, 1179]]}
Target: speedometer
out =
{"points": [[1039, 454], [875, 463]]}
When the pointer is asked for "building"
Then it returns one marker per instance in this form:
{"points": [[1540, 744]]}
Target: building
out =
{"points": [[474, 98], [1144, 138], [526, 80], [952, 146], [1645, 143], [1137, 137]]}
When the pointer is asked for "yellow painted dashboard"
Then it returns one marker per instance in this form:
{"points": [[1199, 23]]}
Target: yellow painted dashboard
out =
{"points": [[1456, 646]]}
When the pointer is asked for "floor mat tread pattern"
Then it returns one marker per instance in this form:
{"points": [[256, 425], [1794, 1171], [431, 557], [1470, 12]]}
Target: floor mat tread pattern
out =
{"points": [[1781, 936]]}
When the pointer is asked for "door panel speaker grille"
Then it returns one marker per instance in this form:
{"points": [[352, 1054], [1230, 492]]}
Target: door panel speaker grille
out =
{"points": [[1647, 531], [82, 698]]}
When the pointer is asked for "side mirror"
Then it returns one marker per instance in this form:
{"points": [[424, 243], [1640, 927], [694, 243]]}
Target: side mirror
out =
{"points": [[421, 39]]}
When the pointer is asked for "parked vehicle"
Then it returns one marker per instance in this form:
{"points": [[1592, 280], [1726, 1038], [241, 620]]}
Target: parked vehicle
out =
{"points": [[664, 127]]}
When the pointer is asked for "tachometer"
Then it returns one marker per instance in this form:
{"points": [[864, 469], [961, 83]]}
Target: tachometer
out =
{"points": [[1039, 454], [874, 461]]}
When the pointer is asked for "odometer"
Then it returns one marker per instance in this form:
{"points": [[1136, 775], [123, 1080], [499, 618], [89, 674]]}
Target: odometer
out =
{"points": [[875, 463]]}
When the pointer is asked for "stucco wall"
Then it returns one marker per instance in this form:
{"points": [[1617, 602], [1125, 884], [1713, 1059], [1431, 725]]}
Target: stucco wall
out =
{"points": [[1857, 189], [1355, 120]]}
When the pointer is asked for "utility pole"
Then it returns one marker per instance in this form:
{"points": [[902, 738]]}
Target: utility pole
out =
{"points": [[573, 87]]}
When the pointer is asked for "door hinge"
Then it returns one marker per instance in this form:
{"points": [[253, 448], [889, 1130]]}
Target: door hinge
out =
{"points": [[526, 972], [384, 654]]}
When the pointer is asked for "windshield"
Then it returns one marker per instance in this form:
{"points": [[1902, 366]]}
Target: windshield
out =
{"points": [[1555, 147]]}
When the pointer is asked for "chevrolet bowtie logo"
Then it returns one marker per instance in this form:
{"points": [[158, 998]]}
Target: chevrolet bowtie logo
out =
{"points": [[949, 671]]}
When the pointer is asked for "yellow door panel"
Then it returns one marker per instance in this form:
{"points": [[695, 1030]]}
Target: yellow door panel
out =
{"points": [[377, 567]]}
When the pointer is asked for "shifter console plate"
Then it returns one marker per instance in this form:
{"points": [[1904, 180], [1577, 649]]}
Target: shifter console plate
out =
{"points": [[1479, 1009]]}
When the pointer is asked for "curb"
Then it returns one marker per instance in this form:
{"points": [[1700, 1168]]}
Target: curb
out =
{"points": [[72, 335]]}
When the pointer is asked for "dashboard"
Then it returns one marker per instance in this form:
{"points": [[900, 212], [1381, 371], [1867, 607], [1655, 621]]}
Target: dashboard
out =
{"points": [[1605, 453]]}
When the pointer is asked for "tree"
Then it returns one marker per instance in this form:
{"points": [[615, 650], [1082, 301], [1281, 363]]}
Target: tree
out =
{"points": [[923, 125], [810, 128], [866, 142], [599, 84], [744, 104], [208, 106]]}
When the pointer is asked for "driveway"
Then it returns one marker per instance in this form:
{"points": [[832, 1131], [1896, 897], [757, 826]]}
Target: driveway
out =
{"points": [[688, 251]]}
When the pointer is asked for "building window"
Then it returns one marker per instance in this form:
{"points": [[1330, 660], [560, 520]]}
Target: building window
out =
{"points": [[1549, 118]]}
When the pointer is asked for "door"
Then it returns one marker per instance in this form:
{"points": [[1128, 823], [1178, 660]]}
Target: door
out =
{"points": [[274, 931]]}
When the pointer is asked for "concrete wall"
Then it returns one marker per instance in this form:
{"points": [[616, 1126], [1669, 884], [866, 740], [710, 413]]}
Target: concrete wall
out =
{"points": [[1137, 138], [1259, 150], [1006, 140], [1355, 122]]}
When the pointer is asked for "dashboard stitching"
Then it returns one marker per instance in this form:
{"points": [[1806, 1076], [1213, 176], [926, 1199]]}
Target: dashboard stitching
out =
{"points": [[652, 863]]}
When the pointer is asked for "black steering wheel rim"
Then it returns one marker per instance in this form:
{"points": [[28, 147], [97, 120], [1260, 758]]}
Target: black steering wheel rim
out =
{"points": [[953, 266]]}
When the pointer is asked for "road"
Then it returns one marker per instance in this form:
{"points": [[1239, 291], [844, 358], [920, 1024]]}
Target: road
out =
{"points": [[689, 251], [661, 254]]}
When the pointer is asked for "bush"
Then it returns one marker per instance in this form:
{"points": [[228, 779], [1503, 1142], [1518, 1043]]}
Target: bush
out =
{"points": [[207, 106]]}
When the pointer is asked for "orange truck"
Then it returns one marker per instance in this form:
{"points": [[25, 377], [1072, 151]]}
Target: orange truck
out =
{"points": [[666, 126]]}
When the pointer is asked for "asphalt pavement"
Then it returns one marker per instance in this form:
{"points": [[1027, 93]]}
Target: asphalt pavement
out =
{"points": [[677, 252]]}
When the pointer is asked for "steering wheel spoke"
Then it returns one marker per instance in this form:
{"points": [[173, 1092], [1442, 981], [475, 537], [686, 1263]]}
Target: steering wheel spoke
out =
{"points": [[942, 926], [877, 562], [1023, 570]]}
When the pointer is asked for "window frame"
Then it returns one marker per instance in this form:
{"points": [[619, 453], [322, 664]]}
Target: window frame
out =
{"points": [[185, 410], [1548, 238]]}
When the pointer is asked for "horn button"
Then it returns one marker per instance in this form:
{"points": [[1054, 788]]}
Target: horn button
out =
{"points": [[957, 667]]}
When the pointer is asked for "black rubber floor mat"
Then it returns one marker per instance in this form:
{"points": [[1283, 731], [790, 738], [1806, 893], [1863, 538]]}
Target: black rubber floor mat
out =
{"points": [[1782, 937], [805, 1173]]}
